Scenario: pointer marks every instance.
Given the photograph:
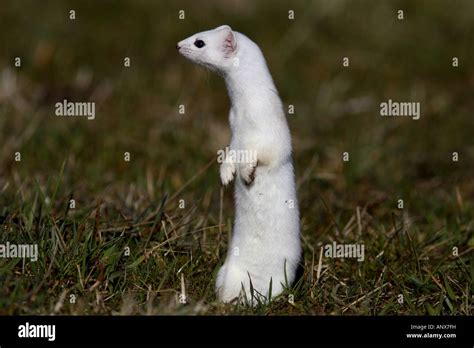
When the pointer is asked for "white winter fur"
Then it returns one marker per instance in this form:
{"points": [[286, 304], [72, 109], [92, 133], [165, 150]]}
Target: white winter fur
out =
{"points": [[266, 236]]}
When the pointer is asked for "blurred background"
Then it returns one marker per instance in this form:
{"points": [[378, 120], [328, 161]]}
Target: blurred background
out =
{"points": [[336, 110]]}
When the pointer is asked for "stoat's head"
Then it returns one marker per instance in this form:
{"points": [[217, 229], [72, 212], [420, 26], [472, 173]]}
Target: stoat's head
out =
{"points": [[215, 49]]}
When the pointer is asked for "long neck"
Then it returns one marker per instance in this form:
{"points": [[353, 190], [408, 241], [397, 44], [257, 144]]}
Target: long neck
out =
{"points": [[249, 81]]}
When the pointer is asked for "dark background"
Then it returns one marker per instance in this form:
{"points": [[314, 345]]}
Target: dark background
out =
{"points": [[121, 203]]}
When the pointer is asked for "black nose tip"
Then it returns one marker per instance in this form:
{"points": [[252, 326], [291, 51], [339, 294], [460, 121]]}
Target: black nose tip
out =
{"points": [[177, 47]]}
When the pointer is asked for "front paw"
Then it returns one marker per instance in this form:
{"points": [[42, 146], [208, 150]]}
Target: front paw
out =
{"points": [[227, 171], [247, 172]]}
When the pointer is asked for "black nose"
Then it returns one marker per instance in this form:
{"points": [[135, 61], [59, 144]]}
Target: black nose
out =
{"points": [[177, 47]]}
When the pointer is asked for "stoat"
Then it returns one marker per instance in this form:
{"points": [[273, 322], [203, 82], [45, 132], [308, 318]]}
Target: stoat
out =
{"points": [[265, 248]]}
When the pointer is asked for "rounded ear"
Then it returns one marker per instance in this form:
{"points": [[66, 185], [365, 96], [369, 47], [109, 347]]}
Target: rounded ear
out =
{"points": [[223, 27], [229, 45]]}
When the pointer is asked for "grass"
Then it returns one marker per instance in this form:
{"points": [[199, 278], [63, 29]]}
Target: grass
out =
{"points": [[137, 206]]}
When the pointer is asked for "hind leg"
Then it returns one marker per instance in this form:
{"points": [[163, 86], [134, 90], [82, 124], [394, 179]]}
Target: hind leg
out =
{"points": [[229, 284], [234, 285]]}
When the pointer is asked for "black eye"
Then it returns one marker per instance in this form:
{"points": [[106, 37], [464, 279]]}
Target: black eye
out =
{"points": [[199, 43]]}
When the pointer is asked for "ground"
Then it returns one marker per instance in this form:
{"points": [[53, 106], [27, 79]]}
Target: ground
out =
{"points": [[141, 229]]}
